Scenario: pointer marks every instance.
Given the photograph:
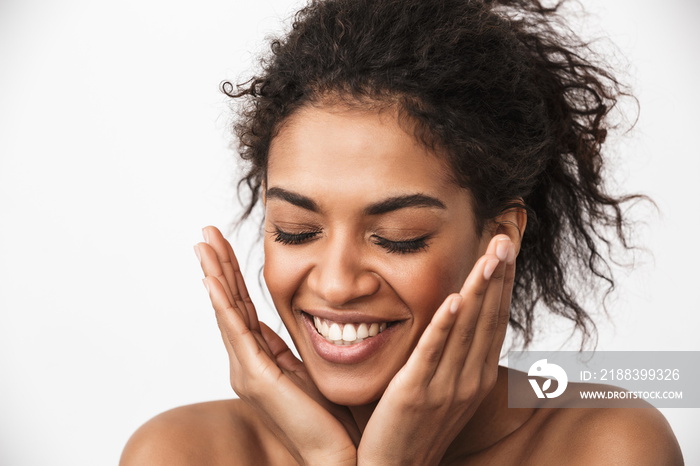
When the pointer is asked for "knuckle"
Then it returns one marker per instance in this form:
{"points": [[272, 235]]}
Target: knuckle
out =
{"points": [[431, 355], [471, 388], [414, 399], [499, 274], [465, 397], [491, 320], [441, 326], [502, 325], [450, 393], [467, 335], [490, 377], [479, 291]]}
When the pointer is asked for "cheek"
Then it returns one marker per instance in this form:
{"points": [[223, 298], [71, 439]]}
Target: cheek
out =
{"points": [[423, 286], [283, 272], [274, 275]]}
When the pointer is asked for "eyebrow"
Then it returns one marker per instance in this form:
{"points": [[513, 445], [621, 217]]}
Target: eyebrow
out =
{"points": [[382, 207], [293, 198]]}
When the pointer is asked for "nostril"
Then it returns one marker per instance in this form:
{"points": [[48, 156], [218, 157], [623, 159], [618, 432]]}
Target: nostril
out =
{"points": [[338, 287], [339, 274]]}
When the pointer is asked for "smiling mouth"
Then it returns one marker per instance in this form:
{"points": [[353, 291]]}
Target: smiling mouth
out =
{"points": [[345, 334]]}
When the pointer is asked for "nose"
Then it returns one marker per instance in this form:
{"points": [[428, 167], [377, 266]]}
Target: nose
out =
{"points": [[340, 275]]}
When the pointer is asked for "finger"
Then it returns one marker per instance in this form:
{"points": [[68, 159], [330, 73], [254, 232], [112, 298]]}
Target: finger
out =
{"points": [[264, 384], [237, 335], [232, 271], [487, 323], [494, 355], [234, 363], [211, 267], [424, 359], [287, 361], [459, 341], [477, 289], [208, 257]]}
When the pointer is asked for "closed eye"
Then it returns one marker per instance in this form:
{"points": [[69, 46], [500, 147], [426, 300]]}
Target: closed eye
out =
{"points": [[399, 247], [284, 237], [402, 247]]}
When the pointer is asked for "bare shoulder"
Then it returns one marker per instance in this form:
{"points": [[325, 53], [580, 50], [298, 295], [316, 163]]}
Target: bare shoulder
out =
{"points": [[204, 433], [639, 436]]}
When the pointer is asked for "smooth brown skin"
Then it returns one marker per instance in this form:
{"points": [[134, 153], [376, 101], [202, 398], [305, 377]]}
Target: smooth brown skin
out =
{"points": [[435, 394]]}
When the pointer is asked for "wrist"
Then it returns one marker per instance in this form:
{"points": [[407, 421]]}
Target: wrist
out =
{"points": [[396, 458], [346, 456]]}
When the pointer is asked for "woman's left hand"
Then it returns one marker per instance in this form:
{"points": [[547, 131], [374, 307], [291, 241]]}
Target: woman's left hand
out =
{"points": [[453, 367]]}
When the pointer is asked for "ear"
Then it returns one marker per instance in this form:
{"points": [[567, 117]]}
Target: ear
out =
{"points": [[511, 222], [263, 192]]}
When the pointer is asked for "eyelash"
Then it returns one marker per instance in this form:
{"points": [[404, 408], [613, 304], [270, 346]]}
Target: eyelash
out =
{"points": [[293, 238], [397, 247], [402, 247]]}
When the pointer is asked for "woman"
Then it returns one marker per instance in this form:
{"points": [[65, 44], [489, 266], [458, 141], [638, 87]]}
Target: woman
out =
{"points": [[408, 154]]}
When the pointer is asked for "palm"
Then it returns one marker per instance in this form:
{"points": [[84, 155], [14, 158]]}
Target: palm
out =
{"points": [[264, 371], [453, 367]]}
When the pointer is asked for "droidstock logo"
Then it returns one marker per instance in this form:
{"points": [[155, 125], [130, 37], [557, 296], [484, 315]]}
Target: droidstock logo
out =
{"points": [[542, 368]]}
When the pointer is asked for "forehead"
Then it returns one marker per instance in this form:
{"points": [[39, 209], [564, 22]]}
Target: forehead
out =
{"points": [[334, 149]]}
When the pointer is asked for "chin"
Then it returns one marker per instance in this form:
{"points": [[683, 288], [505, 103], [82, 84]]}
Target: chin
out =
{"points": [[350, 391]]}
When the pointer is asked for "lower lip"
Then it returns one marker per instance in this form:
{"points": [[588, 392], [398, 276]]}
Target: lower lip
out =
{"points": [[350, 354]]}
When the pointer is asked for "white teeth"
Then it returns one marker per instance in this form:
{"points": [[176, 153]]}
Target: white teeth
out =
{"points": [[335, 333], [362, 331], [347, 334]]}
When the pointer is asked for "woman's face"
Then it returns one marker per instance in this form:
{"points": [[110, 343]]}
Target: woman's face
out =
{"points": [[365, 236]]}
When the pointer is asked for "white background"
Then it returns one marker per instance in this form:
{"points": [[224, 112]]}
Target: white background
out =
{"points": [[113, 155]]}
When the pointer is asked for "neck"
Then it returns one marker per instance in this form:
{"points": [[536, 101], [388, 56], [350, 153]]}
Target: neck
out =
{"points": [[492, 422], [362, 413]]}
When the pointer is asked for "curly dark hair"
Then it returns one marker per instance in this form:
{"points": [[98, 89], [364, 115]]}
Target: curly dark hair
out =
{"points": [[502, 87]]}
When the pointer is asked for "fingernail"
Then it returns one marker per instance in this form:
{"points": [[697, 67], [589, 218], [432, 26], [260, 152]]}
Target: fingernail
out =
{"points": [[206, 285], [502, 248], [490, 266], [205, 234], [454, 304], [196, 252]]}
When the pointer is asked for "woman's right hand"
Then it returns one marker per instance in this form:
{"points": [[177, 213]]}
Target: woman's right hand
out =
{"points": [[264, 371]]}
